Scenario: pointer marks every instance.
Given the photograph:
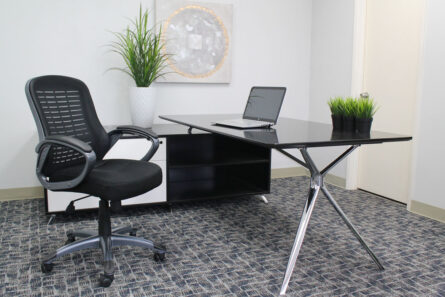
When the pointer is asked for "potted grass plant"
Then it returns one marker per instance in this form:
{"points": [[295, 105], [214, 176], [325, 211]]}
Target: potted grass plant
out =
{"points": [[336, 105], [365, 111], [350, 105], [141, 48]]}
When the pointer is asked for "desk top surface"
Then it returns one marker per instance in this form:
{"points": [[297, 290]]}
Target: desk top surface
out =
{"points": [[162, 130], [287, 133]]}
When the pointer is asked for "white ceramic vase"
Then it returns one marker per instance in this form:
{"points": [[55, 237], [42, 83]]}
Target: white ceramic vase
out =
{"points": [[142, 106]]}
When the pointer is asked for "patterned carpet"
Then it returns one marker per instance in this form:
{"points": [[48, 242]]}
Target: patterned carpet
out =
{"points": [[234, 247]]}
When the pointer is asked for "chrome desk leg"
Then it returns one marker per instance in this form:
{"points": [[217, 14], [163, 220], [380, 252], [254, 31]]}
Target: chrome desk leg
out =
{"points": [[351, 227], [262, 197], [304, 221], [317, 183]]}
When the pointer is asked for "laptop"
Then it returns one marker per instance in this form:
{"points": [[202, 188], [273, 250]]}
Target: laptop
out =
{"points": [[262, 109]]}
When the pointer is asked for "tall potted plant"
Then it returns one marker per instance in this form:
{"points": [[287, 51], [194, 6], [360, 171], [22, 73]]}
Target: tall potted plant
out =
{"points": [[141, 48]]}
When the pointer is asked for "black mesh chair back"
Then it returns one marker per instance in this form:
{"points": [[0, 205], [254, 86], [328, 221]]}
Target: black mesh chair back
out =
{"points": [[63, 106]]}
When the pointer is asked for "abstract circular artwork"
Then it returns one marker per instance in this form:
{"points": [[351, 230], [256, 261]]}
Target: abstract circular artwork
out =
{"points": [[200, 44], [197, 41]]}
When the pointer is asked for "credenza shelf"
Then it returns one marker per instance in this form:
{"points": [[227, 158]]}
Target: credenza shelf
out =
{"points": [[227, 161], [207, 189]]}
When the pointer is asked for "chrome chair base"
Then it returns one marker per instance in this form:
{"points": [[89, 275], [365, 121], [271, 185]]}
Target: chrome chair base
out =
{"points": [[89, 239]]}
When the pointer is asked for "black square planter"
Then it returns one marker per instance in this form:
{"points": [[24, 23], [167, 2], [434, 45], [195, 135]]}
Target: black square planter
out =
{"points": [[349, 124], [363, 126], [337, 122]]}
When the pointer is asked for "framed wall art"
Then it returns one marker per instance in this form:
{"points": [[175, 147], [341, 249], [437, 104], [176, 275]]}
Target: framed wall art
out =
{"points": [[198, 40]]}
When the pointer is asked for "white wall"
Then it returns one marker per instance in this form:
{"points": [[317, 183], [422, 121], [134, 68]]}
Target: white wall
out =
{"points": [[429, 138], [331, 66], [271, 46]]}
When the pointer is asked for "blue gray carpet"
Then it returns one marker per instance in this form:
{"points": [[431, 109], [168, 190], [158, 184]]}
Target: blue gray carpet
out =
{"points": [[233, 247]]}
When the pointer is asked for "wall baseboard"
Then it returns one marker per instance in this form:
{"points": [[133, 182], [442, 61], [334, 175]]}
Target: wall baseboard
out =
{"points": [[336, 180], [289, 172], [301, 171], [21, 193], [426, 210]]}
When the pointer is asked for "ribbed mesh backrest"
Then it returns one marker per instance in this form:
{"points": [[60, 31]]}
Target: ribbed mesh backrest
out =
{"points": [[63, 106], [63, 114]]}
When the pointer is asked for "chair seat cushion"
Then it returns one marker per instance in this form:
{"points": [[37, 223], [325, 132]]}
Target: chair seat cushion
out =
{"points": [[116, 179]]}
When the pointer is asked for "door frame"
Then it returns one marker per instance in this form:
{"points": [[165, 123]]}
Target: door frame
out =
{"points": [[358, 61]]}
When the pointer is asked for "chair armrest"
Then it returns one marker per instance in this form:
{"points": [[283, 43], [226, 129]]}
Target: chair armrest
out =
{"points": [[43, 148], [68, 141], [135, 130]]}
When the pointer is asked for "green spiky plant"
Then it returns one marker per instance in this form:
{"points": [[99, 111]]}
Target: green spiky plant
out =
{"points": [[350, 107], [366, 108], [141, 48], [336, 105]]}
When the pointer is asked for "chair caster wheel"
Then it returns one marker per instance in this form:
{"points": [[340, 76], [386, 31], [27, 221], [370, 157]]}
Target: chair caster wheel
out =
{"points": [[70, 238], [46, 268], [133, 232], [105, 280], [159, 257]]}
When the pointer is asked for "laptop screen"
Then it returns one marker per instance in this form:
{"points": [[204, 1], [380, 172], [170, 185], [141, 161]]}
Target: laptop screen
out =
{"points": [[264, 104]]}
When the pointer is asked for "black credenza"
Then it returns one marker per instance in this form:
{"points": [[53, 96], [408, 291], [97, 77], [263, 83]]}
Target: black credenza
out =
{"points": [[196, 165]]}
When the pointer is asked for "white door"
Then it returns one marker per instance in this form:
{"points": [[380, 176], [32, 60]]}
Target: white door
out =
{"points": [[391, 72]]}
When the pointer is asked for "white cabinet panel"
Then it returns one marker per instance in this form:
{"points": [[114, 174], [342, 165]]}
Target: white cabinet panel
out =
{"points": [[58, 201]]}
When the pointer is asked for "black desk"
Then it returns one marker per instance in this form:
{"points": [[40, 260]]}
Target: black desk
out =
{"points": [[290, 133]]}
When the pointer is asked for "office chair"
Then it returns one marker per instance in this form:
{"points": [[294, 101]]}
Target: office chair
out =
{"points": [[70, 157]]}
